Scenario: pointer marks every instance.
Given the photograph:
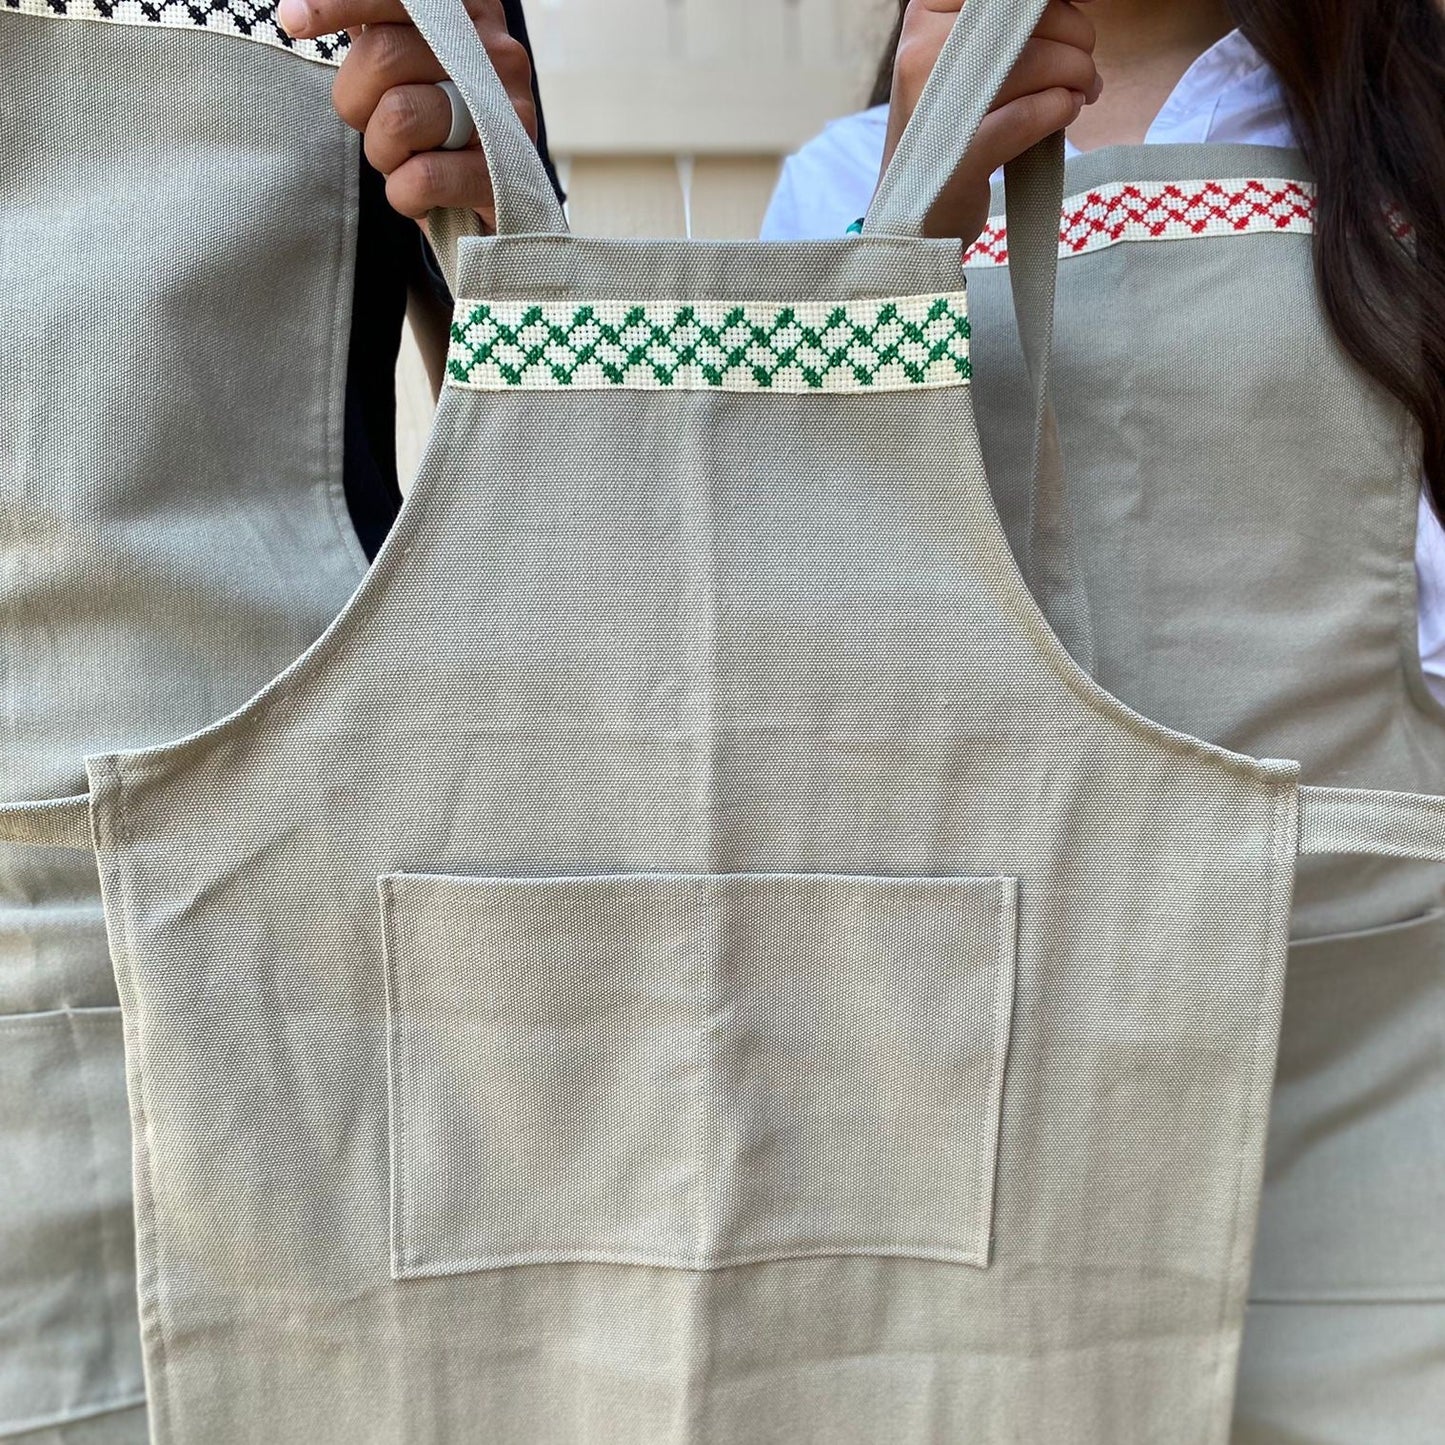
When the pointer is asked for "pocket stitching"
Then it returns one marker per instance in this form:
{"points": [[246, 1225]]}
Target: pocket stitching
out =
{"points": [[1002, 922]]}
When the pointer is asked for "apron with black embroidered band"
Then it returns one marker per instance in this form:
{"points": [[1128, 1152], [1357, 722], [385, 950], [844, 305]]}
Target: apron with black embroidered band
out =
{"points": [[177, 232]]}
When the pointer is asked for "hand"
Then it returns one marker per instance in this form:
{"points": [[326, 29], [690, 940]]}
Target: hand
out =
{"points": [[386, 89], [1048, 87]]}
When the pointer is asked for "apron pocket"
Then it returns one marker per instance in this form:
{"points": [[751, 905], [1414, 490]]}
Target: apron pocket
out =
{"points": [[694, 1070]]}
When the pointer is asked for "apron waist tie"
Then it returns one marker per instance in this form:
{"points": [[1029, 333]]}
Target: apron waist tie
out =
{"points": [[1382, 824], [1332, 820], [57, 823]]}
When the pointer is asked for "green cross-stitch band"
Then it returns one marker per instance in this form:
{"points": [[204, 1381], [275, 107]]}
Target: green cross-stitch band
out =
{"points": [[896, 343]]}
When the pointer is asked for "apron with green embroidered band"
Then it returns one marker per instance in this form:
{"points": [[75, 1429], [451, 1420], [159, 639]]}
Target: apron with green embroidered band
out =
{"points": [[688, 954], [1244, 499], [177, 228]]}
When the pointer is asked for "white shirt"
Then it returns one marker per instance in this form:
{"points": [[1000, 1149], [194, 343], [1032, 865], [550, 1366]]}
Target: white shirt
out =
{"points": [[1228, 95]]}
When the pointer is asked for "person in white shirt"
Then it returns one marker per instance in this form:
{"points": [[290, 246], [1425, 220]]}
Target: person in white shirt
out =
{"points": [[1228, 94]]}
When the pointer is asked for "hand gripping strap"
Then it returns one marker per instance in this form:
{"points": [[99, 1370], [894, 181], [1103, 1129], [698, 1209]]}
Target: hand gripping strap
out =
{"points": [[986, 40], [525, 200], [59, 823], [1383, 825]]}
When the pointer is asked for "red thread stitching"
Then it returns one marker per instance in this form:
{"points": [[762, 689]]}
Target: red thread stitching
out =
{"points": [[1102, 217]]}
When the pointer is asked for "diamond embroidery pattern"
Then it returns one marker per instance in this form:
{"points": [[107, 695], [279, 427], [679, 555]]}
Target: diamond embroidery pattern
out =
{"points": [[1164, 211], [889, 344], [250, 19]]}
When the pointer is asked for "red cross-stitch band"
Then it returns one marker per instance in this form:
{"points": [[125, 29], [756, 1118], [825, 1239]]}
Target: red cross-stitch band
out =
{"points": [[1168, 211], [1164, 211]]}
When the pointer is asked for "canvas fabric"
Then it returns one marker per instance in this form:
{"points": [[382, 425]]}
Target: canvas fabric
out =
{"points": [[177, 213], [689, 954], [1245, 502]]}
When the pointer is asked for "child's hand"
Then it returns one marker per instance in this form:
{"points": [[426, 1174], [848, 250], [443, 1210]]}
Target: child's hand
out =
{"points": [[1052, 81], [386, 89]]}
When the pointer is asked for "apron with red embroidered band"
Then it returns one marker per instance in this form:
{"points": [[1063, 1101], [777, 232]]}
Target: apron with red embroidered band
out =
{"points": [[1243, 499]]}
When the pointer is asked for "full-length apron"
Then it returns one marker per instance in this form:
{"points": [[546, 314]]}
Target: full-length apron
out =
{"points": [[688, 955], [177, 215], [1244, 500]]}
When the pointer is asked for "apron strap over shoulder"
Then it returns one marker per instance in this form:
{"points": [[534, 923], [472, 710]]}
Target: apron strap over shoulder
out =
{"points": [[986, 40], [1034, 199], [56, 823], [1382, 824], [525, 199]]}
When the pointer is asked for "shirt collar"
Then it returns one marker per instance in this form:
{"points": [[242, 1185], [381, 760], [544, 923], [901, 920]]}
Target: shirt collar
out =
{"points": [[1222, 79]]}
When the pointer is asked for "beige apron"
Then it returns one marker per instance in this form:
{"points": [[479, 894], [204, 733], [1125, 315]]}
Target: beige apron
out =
{"points": [[1245, 501], [177, 216], [688, 955]]}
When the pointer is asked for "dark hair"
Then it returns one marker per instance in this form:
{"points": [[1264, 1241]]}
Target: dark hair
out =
{"points": [[1365, 87]]}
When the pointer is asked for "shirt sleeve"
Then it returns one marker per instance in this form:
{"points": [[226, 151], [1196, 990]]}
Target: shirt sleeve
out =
{"points": [[827, 185], [1430, 575], [782, 222]]}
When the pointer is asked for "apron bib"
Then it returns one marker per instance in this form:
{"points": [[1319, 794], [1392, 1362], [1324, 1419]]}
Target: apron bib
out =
{"points": [[1244, 500], [176, 245], [688, 954]]}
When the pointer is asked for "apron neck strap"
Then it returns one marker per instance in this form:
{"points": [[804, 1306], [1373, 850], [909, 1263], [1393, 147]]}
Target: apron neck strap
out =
{"points": [[525, 200], [1034, 201], [987, 39]]}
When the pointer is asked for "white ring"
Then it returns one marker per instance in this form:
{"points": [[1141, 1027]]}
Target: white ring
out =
{"points": [[462, 130]]}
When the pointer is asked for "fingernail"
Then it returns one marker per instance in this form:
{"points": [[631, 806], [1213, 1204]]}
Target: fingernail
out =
{"points": [[294, 15]]}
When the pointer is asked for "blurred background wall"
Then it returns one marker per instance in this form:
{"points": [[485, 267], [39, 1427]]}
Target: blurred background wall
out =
{"points": [[671, 117]]}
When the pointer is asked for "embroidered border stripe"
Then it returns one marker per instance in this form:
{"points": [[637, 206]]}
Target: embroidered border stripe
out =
{"points": [[249, 19], [1165, 211], [898, 343]]}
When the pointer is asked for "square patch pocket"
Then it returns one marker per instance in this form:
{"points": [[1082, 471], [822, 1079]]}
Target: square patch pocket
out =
{"points": [[694, 1070]]}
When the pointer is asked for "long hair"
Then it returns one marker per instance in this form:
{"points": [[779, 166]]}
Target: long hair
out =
{"points": [[1365, 88]]}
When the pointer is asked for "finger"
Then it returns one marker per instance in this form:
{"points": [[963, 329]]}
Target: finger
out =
{"points": [[926, 30], [1062, 22], [1046, 65], [384, 57], [407, 120], [962, 207], [933, 20], [952, 7], [1068, 26], [1042, 67], [1013, 128], [454, 180], [310, 18]]}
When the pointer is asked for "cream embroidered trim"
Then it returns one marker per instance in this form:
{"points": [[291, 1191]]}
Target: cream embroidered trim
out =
{"points": [[1165, 211], [891, 344], [250, 19]]}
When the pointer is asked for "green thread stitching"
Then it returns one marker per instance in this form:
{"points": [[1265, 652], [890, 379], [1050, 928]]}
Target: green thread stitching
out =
{"points": [[748, 346]]}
